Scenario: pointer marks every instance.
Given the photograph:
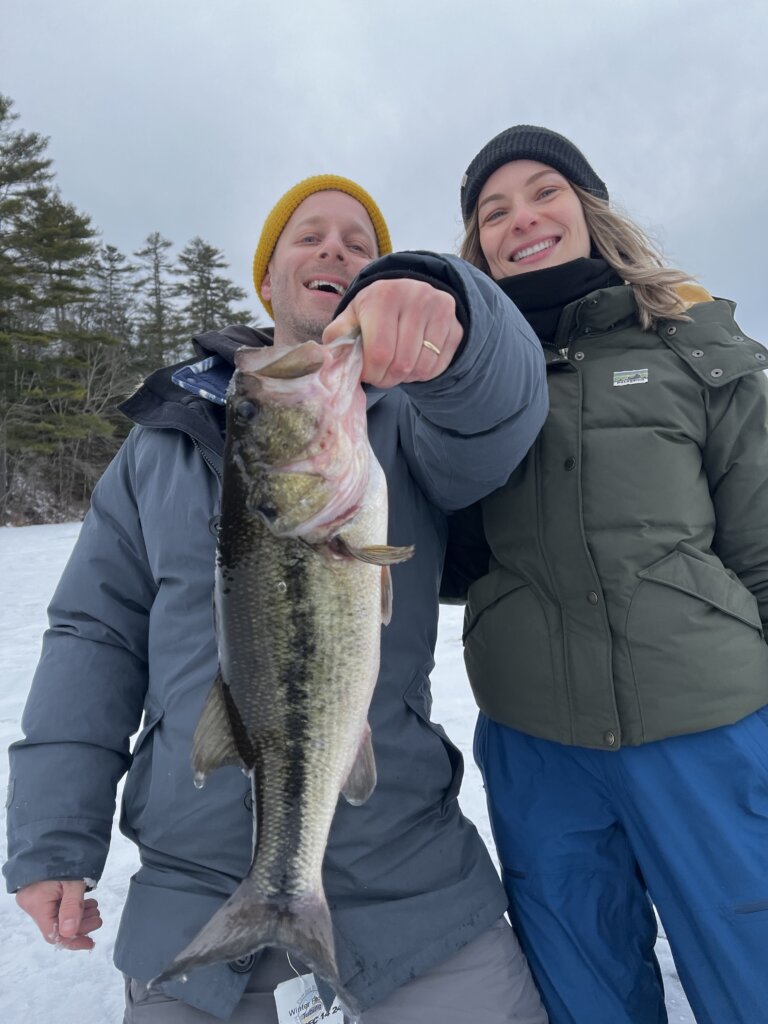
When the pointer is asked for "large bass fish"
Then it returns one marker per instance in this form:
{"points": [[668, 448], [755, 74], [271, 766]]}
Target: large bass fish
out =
{"points": [[302, 589]]}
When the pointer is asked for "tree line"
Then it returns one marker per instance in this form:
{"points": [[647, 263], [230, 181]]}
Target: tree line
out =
{"points": [[81, 323]]}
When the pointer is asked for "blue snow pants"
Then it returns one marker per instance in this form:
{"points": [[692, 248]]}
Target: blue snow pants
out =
{"points": [[588, 838]]}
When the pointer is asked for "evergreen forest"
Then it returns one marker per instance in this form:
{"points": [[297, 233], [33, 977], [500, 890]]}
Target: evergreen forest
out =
{"points": [[81, 324]]}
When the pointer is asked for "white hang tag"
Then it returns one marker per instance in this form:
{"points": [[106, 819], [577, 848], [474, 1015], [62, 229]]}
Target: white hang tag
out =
{"points": [[298, 1002]]}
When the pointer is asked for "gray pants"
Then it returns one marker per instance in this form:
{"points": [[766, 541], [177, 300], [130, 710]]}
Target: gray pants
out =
{"points": [[487, 981]]}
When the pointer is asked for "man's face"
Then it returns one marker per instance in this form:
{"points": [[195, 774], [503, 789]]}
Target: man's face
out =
{"points": [[327, 241]]}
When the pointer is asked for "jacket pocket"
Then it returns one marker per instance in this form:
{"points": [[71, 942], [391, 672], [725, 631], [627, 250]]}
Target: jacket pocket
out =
{"points": [[485, 593], [418, 698], [705, 577], [139, 777], [695, 639], [512, 638]]}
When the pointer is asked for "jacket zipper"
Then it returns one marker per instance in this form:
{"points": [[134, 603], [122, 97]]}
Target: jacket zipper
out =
{"points": [[205, 459], [570, 331]]}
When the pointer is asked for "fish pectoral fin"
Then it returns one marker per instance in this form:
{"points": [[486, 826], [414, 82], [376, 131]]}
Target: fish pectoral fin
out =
{"points": [[386, 595], [213, 744], [361, 780], [375, 554]]}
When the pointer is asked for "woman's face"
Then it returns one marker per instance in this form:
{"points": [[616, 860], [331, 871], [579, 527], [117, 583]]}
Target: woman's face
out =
{"points": [[529, 218]]}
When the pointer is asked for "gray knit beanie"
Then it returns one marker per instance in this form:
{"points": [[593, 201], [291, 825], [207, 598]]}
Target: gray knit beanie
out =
{"points": [[528, 142]]}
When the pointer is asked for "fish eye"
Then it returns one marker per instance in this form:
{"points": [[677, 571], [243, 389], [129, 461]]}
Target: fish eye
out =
{"points": [[247, 410], [268, 513]]}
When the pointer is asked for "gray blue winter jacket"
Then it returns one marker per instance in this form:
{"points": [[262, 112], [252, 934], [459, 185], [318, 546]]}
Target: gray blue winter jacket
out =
{"points": [[408, 879]]}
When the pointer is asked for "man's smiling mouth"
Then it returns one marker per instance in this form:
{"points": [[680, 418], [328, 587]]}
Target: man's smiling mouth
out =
{"points": [[321, 285]]}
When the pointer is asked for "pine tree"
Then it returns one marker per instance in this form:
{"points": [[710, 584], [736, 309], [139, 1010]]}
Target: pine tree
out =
{"points": [[107, 354], [60, 248], [159, 330], [114, 289], [79, 325], [209, 297], [65, 331], [24, 184]]}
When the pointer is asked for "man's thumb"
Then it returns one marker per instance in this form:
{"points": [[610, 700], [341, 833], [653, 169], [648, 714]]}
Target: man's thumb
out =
{"points": [[343, 324], [71, 908]]}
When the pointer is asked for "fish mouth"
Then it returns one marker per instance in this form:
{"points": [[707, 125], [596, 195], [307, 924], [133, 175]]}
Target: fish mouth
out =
{"points": [[525, 252], [326, 284]]}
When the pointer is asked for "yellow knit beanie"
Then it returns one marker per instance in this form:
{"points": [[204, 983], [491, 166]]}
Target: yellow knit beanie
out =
{"points": [[284, 207]]}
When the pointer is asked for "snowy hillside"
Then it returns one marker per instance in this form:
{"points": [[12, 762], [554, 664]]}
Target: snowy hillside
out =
{"points": [[40, 984]]}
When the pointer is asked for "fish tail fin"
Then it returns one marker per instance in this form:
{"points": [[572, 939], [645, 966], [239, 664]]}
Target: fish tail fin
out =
{"points": [[250, 920]]}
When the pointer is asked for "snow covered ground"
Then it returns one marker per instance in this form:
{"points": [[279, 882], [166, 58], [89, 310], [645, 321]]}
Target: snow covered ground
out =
{"points": [[40, 984]]}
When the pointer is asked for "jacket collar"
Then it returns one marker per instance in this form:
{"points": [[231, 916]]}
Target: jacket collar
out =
{"points": [[190, 396], [605, 309]]}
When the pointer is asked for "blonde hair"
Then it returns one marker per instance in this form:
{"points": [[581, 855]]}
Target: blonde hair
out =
{"points": [[624, 247]]}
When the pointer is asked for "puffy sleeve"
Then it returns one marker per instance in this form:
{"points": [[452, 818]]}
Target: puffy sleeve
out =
{"points": [[465, 431], [87, 694], [736, 463]]}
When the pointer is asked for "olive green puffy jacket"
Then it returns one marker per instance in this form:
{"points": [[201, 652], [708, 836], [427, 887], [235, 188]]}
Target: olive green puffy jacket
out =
{"points": [[628, 584]]}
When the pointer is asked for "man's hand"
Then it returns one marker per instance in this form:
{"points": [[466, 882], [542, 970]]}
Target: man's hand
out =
{"points": [[410, 330], [61, 913]]}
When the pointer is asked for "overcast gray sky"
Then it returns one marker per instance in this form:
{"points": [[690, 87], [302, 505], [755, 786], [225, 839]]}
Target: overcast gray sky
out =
{"points": [[192, 116]]}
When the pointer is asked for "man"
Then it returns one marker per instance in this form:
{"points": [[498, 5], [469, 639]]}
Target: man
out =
{"points": [[455, 398]]}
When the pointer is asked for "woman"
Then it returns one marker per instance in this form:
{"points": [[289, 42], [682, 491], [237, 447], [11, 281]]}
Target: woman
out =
{"points": [[614, 640]]}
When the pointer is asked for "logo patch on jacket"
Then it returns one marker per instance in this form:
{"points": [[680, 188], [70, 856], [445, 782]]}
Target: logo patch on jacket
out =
{"points": [[623, 377]]}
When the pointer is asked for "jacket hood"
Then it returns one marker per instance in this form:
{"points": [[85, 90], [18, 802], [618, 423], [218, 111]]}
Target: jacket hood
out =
{"points": [[170, 397]]}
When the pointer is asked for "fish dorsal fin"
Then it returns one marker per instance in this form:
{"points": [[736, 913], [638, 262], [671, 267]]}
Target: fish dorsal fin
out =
{"points": [[375, 554], [213, 744], [296, 362], [361, 780]]}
